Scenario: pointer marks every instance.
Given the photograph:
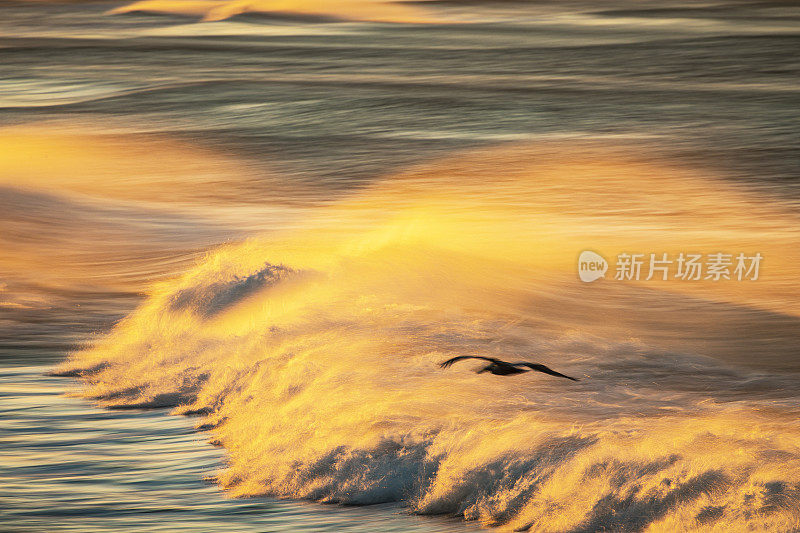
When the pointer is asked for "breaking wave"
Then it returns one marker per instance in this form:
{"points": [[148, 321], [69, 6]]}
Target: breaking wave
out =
{"points": [[312, 354]]}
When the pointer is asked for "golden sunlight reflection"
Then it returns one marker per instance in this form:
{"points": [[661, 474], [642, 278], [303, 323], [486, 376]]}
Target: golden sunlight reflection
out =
{"points": [[359, 10], [122, 167], [116, 211], [313, 352]]}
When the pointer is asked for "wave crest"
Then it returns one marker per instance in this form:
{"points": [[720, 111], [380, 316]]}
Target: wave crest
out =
{"points": [[326, 386], [356, 10]]}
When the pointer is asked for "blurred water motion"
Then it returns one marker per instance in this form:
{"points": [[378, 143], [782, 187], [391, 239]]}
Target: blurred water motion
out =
{"points": [[283, 223]]}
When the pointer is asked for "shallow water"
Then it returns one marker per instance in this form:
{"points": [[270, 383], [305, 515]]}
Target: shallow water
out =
{"points": [[387, 196], [67, 466]]}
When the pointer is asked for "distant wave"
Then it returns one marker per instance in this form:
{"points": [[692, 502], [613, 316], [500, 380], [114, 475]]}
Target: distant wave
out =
{"points": [[115, 211], [361, 10], [313, 354]]}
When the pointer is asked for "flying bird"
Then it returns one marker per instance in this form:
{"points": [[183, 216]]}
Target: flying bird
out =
{"points": [[504, 368]]}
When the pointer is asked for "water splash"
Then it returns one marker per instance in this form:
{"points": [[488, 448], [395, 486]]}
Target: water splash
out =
{"points": [[312, 354]]}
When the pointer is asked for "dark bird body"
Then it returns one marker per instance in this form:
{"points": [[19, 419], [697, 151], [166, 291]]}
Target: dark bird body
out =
{"points": [[504, 368]]}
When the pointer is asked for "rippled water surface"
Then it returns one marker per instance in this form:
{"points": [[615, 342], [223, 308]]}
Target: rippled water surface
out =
{"points": [[67, 466]]}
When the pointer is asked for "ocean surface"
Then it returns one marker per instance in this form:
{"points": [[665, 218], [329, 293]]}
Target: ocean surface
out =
{"points": [[238, 238]]}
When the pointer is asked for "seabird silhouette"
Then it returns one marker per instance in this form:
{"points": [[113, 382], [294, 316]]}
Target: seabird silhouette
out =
{"points": [[504, 368]]}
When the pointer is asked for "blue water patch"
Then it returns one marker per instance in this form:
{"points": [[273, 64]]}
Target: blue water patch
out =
{"points": [[68, 466]]}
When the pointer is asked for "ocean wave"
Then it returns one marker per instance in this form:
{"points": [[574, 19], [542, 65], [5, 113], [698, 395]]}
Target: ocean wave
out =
{"points": [[360, 10], [312, 355]]}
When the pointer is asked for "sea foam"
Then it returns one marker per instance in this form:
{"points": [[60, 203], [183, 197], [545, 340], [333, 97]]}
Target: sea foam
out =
{"points": [[313, 354]]}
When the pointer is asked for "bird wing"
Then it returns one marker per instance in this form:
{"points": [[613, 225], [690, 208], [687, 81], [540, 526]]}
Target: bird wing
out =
{"points": [[546, 370], [462, 357]]}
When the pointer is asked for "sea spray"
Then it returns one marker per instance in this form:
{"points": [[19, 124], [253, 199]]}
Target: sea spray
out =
{"points": [[313, 353]]}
